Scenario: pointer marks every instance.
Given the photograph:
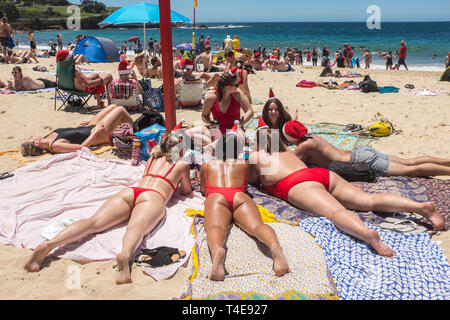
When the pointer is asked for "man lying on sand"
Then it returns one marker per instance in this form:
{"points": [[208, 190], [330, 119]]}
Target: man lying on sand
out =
{"points": [[25, 83], [319, 152]]}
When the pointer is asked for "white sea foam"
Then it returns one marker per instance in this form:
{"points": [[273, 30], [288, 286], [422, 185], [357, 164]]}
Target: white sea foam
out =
{"points": [[225, 26]]}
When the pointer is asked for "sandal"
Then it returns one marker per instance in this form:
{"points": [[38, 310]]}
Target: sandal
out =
{"points": [[407, 215], [6, 175], [402, 226], [159, 257]]}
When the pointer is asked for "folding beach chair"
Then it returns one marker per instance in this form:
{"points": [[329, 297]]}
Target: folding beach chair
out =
{"points": [[191, 94], [65, 89], [126, 95]]}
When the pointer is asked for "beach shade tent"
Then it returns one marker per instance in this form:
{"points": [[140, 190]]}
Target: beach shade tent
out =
{"points": [[98, 49], [139, 13], [187, 46], [446, 75]]}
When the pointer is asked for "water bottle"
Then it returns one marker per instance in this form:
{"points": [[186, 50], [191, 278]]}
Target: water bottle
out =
{"points": [[135, 152]]}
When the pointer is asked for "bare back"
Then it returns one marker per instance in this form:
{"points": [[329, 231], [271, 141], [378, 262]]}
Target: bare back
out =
{"points": [[272, 168], [228, 174], [319, 152], [161, 167]]}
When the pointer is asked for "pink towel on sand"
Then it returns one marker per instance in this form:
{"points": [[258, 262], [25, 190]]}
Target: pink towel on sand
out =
{"points": [[74, 185], [306, 84]]}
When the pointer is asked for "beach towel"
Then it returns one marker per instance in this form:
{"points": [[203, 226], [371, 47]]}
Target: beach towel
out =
{"points": [[389, 89], [306, 84], [425, 92], [6, 91], [332, 132], [420, 271], [74, 185], [418, 254], [249, 270]]}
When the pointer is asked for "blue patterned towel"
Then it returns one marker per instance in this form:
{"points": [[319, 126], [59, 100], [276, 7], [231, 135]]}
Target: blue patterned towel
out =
{"points": [[420, 271]]}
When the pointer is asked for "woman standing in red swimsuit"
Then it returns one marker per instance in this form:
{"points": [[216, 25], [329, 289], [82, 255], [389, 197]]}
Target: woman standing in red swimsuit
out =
{"points": [[325, 193], [224, 182], [143, 206]]}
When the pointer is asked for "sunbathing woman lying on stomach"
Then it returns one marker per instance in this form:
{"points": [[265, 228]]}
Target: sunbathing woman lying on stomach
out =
{"points": [[143, 207], [325, 193], [319, 152], [224, 183], [92, 133]]}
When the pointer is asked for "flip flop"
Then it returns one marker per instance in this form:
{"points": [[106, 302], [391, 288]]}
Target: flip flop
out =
{"points": [[401, 226], [6, 175], [407, 215]]}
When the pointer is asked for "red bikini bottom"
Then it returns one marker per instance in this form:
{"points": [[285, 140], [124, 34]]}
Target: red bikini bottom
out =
{"points": [[281, 189], [137, 191]]}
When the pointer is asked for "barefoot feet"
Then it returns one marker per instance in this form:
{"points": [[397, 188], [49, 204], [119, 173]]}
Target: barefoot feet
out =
{"points": [[373, 238], [218, 268], [430, 212], [124, 269], [280, 265], [36, 259]]}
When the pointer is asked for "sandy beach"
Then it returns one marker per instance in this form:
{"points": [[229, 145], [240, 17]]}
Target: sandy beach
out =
{"points": [[423, 120]]}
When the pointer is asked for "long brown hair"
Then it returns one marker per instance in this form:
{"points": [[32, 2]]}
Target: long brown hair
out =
{"points": [[225, 79], [282, 119]]}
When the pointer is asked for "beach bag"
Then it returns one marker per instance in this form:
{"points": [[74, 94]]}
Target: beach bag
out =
{"points": [[154, 133], [380, 129], [148, 118], [153, 98], [368, 85], [353, 172]]}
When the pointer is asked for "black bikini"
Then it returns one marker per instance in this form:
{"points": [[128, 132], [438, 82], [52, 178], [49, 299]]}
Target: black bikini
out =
{"points": [[74, 135]]}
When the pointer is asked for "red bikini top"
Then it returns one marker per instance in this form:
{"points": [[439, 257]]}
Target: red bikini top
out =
{"points": [[146, 174]]}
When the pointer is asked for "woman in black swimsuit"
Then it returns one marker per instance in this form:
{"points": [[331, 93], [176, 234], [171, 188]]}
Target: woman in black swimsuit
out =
{"points": [[389, 57], [94, 132]]}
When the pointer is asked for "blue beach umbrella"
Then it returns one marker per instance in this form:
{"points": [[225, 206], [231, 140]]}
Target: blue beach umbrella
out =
{"points": [[139, 13], [187, 46]]}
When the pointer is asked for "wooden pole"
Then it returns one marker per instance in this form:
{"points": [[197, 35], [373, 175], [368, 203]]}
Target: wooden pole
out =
{"points": [[165, 28]]}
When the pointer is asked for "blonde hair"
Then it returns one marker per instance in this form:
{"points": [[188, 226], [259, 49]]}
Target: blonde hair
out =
{"points": [[165, 149], [29, 149]]}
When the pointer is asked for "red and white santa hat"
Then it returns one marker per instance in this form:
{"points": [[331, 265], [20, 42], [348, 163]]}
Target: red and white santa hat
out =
{"points": [[63, 55], [179, 126], [273, 58], [271, 94], [261, 122], [233, 71], [187, 64], [294, 130], [123, 67], [235, 126]]}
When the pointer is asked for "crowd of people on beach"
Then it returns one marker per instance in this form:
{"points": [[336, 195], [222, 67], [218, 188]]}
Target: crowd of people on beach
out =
{"points": [[302, 177]]}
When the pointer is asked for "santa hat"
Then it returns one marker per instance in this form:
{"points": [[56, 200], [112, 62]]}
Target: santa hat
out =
{"points": [[123, 67], [63, 55], [235, 127], [273, 58], [233, 71], [186, 64], [179, 126], [261, 123], [271, 94], [294, 130]]}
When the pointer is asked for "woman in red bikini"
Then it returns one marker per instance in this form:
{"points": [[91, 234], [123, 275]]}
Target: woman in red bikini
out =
{"points": [[223, 182], [325, 193], [143, 206], [225, 105]]}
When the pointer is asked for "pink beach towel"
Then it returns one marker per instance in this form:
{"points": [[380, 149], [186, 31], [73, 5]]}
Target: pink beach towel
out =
{"points": [[306, 84], [74, 185]]}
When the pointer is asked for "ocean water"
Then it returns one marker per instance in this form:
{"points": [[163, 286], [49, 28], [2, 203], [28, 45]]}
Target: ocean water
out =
{"points": [[423, 39]]}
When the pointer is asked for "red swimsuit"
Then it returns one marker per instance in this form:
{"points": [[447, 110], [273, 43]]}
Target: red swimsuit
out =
{"points": [[137, 190], [227, 192], [226, 120], [281, 188]]}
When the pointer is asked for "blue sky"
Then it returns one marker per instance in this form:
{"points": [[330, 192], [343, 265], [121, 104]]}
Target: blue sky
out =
{"points": [[299, 10]]}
